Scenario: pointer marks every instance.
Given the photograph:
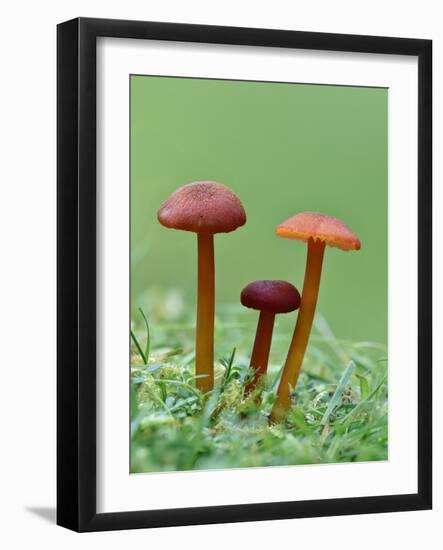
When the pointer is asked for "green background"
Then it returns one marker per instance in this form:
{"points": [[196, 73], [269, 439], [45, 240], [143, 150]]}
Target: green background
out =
{"points": [[284, 149]]}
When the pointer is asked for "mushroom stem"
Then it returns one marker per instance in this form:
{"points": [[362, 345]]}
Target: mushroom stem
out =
{"points": [[262, 345], [204, 340], [302, 330]]}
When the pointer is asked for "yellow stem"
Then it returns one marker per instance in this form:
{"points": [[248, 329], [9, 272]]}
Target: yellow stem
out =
{"points": [[262, 346], [204, 339], [302, 330]]}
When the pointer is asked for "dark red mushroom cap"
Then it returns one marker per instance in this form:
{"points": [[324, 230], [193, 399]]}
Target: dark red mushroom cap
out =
{"points": [[271, 296], [202, 207]]}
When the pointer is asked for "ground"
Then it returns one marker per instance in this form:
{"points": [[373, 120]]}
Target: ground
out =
{"points": [[339, 410]]}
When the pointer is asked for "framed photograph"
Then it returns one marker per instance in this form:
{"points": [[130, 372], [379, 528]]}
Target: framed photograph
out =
{"points": [[244, 274]]}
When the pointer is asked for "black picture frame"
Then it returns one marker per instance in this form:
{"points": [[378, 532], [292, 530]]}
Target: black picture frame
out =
{"points": [[76, 265]]}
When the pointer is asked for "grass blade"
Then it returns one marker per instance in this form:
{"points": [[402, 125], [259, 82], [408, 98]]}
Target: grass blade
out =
{"points": [[195, 391], [324, 329], [228, 366], [274, 383], [139, 349], [364, 386], [148, 336], [364, 402], [338, 391]]}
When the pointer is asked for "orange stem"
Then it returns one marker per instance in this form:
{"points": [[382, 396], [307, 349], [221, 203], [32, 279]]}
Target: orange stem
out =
{"points": [[302, 330], [204, 338], [262, 345]]}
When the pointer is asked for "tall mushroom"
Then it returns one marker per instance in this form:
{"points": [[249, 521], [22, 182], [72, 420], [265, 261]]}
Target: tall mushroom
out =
{"points": [[205, 208], [270, 298], [318, 230]]}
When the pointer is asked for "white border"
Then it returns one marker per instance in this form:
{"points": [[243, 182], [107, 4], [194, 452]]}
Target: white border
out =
{"points": [[116, 489]]}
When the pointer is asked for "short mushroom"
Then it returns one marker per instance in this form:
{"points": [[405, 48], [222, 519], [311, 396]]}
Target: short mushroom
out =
{"points": [[270, 298], [205, 208], [318, 230]]}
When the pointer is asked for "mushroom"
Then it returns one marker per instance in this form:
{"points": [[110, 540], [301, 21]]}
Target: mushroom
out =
{"points": [[270, 298], [318, 230], [205, 208]]}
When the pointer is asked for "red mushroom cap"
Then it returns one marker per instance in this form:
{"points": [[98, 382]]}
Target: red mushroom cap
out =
{"points": [[271, 296], [313, 225], [202, 207]]}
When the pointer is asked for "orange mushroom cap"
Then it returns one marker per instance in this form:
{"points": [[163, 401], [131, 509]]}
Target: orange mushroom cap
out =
{"points": [[202, 207], [319, 227], [271, 296]]}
